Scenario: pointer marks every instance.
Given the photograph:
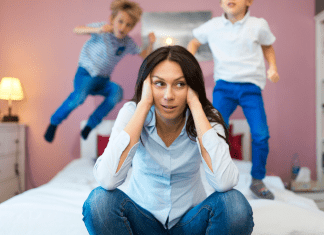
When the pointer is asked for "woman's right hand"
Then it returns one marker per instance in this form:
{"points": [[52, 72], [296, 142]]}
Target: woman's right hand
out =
{"points": [[147, 95]]}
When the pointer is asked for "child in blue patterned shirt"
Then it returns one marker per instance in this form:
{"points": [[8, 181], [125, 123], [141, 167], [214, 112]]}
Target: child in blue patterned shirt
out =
{"points": [[108, 44]]}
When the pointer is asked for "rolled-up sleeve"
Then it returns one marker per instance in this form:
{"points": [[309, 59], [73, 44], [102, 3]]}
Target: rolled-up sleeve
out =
{"points": [[225, 174], [106, 165]]}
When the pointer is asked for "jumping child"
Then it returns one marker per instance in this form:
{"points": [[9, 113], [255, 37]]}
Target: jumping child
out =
{"points": [[238, 43], [108, 44]]}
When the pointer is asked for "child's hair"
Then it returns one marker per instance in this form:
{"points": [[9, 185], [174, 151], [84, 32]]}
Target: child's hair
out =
{"points": [[131, 8]]}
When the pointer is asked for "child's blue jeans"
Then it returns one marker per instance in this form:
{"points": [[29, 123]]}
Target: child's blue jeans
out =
{"points": [[85, 85], [114, 213], [226, 97]]}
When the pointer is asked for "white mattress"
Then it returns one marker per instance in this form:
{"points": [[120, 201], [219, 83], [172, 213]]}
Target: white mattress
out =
{"points": [[56, 207]]}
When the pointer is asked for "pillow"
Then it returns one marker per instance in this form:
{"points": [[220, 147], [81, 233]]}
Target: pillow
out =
{"points": [[102, 141], [235, 144]]}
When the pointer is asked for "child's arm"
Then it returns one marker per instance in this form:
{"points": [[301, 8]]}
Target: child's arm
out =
{"points": [[149, 48], [88, 30], [193, 46], [270, 56]]}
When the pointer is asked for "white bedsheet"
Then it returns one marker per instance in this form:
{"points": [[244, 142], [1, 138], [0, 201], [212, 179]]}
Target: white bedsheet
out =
{"points": [[56, 207]]}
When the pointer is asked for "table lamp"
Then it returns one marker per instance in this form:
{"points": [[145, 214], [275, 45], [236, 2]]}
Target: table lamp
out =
{"points": [[10, 89]]}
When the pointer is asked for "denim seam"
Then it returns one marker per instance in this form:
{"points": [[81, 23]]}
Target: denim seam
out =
{"points": [[125, 218], [128, 200], [210, 223], [204, 207]]}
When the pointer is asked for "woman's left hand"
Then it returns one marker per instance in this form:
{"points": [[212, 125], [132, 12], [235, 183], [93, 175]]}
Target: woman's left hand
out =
{"points": [[192, 97]]}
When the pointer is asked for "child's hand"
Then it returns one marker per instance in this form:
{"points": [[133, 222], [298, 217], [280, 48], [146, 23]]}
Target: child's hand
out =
{"points": [[107, 28], [273, 75], [147, 95], [152, 38], [192, 97]]}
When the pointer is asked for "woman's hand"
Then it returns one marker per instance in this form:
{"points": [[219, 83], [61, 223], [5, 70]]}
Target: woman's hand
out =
{"points": [[192, 98], [147, 95]]}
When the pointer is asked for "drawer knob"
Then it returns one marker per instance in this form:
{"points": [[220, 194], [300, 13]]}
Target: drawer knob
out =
{"points": [[17, 141]]}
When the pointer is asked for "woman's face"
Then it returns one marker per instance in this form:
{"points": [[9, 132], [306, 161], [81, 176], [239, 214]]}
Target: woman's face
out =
{"points": [[169, 88]]}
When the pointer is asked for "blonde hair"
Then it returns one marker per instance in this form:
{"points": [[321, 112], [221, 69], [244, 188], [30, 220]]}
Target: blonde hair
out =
{"points": [[131, 8]]}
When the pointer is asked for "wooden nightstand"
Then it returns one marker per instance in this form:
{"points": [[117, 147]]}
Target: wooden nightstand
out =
{"points": [[12, 159], [312, 190]]}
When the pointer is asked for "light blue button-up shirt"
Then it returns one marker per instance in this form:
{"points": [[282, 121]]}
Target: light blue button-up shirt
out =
{"points": [[236, 48], [165, 180]]}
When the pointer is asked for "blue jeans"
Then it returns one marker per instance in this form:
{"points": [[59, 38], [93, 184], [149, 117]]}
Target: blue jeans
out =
{"points": [[85, 85], [226, 97], [114, 213]]}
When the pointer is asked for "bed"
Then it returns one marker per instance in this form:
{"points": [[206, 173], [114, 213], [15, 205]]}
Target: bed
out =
{"points": [[56, 207]]}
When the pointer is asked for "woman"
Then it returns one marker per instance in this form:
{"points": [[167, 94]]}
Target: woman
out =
{"points": [[165, 132]]}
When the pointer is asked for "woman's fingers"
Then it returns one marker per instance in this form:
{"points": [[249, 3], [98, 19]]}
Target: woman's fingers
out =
{"points": [[192, 96], [147, 94]]}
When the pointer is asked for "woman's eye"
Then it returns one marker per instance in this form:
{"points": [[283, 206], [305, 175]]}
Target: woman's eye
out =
{"points": [[158, 83], [181, 84]]}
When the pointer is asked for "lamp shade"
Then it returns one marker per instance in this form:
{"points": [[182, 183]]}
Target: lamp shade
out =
{"points": [[10, 89]]}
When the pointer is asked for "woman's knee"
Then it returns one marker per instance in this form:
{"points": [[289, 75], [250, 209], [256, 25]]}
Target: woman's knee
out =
{"points": [[100, 200], [239, 212]]}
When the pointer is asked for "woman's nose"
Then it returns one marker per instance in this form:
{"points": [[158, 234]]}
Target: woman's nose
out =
{"points": [[168, 94]]}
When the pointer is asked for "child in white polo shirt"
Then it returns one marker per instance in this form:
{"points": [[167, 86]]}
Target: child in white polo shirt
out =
{"points": [[108, 44], [238, 43]]}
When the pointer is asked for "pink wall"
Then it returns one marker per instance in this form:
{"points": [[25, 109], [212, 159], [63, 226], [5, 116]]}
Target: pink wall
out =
{"points": [[38, 47]]}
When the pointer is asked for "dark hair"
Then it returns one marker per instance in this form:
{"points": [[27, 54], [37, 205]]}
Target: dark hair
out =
{"points": [[194, 78]]}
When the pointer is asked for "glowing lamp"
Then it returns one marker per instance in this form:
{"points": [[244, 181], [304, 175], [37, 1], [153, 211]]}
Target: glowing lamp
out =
{"points": [[168, 41], [10, 89]]}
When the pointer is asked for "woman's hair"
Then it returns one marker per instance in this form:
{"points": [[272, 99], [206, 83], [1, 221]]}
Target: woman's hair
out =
{"points": [[194, 78], [131, 8]]}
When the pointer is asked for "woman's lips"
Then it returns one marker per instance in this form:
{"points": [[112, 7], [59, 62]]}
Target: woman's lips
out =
{"points": [[168, 107]]}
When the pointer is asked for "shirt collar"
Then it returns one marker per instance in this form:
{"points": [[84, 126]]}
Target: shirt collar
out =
{"points": [[226, 21], [150, 121]]}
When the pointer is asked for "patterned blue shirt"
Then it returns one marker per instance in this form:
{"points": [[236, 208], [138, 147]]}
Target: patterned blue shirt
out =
{"points": [[165, 180], [102, 52]]}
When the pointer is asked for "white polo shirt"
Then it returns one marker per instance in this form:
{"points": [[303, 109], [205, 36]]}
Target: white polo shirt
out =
{"points": [[236, 48]]}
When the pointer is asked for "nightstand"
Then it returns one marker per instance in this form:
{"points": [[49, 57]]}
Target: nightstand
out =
{"points": [[12, 159], [312, 190]]}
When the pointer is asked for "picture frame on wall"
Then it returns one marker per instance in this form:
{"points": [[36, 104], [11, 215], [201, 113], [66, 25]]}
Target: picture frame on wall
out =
{"points": [[175, 28]]}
